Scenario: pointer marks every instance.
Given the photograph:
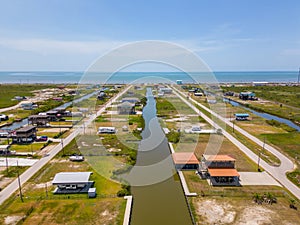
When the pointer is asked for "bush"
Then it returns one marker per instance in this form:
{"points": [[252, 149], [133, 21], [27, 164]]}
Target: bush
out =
{"points": [[173, 136], [125, 191]]}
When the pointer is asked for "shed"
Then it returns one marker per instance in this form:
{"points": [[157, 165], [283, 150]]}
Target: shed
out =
{"points": [[92, 193]]}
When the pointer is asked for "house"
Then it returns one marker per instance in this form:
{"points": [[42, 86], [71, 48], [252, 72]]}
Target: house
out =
{"points": [[53, 115], [19, 98], [185, 161], [241, 116], [72, 182], [211, 101], [131, 100], [179, 82], [106, 130], [247, 95], [3, 117], [198, 94], [126, 108], [39, 120], [160, 94], [26, 105], [260, 83], [165, 90], [4, 149], [221, 170], [4, 133], [101, 95], [24, 134]]}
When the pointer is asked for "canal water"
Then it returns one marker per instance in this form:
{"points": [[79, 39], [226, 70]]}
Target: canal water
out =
{"points": [[158, 197], [264, 115]]}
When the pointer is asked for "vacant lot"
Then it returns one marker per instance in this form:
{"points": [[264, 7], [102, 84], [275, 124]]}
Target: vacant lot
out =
{"points": [[241, 211]]}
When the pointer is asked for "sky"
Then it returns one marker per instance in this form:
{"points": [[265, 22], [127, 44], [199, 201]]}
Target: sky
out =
{"points": [[228, 35]]}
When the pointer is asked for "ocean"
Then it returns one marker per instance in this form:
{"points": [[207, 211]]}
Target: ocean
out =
{"points": [[143, 77]]}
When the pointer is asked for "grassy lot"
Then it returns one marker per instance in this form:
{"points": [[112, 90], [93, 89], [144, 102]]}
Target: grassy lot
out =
{"points": [[13, 171], [288, 143], [34, 147], [44, 207], [283, 94], [242, 210], [283, 101], [9, 91]]}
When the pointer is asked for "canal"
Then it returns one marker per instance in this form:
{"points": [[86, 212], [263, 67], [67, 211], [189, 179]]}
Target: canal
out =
{"points": [[264, 115], [158, 197]]}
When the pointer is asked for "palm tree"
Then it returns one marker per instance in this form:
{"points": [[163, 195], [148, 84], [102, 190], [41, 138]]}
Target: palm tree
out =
{"points": [[257, 198], [292, 204]]}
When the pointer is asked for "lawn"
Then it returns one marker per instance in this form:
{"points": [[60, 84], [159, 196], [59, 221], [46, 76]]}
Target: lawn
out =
{"points": [[34, 147], [9, 91]]}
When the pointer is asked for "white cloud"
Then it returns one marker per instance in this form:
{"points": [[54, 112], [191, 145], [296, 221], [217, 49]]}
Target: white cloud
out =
{"points": [[47, 46]]}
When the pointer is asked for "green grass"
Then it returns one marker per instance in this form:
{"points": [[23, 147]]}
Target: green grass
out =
{"points": [[284, 100], [14, 170], [285, 94], [288, 143], [9, 91], [26, 147]]}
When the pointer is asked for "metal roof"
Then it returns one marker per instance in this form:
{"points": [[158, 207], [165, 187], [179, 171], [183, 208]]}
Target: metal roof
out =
{"points": [[218, 158], [25, 129], [185, 158], [71, 177], [223, 172], [241, 114]]}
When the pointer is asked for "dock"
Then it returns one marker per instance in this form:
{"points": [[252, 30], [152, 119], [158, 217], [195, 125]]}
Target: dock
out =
{"points": [[127, 214]]}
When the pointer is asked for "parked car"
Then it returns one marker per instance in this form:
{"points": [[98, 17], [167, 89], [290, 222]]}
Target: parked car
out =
{"points": [[3, 117], [42, 138]]}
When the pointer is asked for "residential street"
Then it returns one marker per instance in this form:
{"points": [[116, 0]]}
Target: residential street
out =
{"points": [[13, 187]]}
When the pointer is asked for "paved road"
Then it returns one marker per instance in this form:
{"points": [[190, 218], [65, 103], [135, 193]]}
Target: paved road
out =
{"points": [[12, 187], [11, 107], [279, 173]]}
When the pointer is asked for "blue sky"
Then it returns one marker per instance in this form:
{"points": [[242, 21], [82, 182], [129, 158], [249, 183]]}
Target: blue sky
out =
{"points": [[61, 35]]}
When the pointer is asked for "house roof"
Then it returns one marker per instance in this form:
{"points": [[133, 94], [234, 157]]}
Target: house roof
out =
{"points": [[241, 114], [71, 177], [126, 105], [4, 147], [223, 172], [218, 158], [185, 158], [130, 99], [39, 116], [25, 129]]}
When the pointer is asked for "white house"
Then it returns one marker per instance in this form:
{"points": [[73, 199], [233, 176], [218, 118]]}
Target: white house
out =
{"points": [[107, 130]]}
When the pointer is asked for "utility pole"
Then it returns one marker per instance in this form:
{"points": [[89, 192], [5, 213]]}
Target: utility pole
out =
{"points": [[233, 126], [46, 189], [19, 182], [6, 162], [258, 169]]}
